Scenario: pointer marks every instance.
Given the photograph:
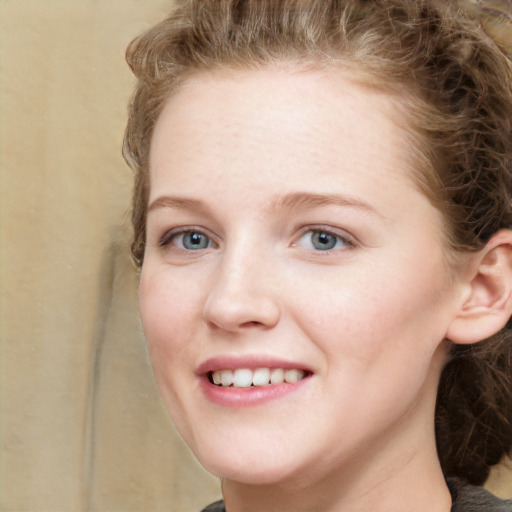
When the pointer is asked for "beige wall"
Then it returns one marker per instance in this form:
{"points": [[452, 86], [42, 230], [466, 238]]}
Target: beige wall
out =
{"points": [[82, 425]]}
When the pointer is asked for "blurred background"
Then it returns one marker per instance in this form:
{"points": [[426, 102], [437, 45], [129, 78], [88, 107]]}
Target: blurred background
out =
{"points": [[82, 426]]}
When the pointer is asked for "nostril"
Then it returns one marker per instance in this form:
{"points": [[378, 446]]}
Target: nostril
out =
{"points": [[251, 324]]}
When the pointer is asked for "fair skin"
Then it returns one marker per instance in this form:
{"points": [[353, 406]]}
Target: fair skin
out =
{"points": [[284, 233]]}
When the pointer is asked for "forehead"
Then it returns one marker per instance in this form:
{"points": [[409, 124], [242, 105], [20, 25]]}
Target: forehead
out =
{"points": [[273, 118]]}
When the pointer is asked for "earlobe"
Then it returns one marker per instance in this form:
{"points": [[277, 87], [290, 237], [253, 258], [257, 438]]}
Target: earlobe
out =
{"points": [[487, 305]]}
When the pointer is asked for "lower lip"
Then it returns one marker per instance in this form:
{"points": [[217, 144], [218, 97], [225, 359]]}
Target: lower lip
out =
{"points": [[247, 397]]}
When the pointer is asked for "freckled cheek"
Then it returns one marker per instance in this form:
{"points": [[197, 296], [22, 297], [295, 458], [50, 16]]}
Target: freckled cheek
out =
{"points": [[352, 326], [358, 319]]}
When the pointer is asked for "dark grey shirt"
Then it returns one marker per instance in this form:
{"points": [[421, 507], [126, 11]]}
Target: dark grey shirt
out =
{"points": [[469, 498]]}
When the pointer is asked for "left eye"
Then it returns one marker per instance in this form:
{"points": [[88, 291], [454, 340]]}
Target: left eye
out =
{"points": [[321, 240], [192, 240]]}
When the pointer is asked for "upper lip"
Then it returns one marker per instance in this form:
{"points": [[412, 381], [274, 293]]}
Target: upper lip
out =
{"points": [[232, 362]]}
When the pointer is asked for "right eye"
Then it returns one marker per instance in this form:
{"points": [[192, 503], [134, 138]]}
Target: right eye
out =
{"points": [[190, 240]]}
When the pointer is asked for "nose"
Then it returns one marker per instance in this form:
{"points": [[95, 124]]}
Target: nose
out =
{"points": [[243, 295]]}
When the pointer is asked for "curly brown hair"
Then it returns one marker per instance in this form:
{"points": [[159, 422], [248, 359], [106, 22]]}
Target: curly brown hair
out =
{"points": [[453, 85]]}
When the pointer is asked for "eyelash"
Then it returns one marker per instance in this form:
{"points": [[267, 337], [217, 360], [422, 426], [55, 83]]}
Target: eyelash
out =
{"points": [[346, 239], [173, 234]]}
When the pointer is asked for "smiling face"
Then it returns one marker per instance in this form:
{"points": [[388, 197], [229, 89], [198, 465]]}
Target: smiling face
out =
{"points": [[288, 248]]}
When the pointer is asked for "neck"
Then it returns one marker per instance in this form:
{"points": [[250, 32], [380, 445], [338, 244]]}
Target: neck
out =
{"points": [[415, 484]]}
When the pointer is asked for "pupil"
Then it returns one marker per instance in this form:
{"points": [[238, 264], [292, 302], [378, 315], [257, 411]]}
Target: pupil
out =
{"points": [[324, 240], [195, 239]]}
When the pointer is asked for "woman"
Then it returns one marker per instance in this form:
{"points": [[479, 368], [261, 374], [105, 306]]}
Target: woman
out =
{"points": [[323, 223]]}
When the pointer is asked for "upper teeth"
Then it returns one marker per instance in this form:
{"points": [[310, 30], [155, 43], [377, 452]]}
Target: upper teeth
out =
{"points": [[245, 378]]}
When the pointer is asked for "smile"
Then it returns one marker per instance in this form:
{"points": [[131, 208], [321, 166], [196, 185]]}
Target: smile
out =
{"points": [[246, 378]]}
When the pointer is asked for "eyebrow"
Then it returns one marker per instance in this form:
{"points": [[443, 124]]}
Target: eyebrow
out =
{"points": [[176, 202], [294, 200], [313, 200]]}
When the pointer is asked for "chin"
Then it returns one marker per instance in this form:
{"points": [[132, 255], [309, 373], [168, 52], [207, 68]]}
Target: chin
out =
{"points": [[253, 467], [263, 474]]}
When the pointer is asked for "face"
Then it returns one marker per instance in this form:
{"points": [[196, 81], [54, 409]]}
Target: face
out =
{"points": [[289, 251]]}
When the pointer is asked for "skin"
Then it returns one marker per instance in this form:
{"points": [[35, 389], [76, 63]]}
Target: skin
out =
{"points": [[240, 153]]}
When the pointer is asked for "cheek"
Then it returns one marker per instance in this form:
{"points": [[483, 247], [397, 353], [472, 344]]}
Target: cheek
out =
{"points": [[170, 326], [364, 317], [167, 318]]}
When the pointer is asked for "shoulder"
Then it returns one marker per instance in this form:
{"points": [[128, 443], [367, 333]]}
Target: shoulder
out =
{"points": [[218, 506], [469, 498]]}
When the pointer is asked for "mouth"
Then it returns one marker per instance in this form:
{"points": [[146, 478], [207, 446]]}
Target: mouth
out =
{"points": [[235, 381], [258, 377]]}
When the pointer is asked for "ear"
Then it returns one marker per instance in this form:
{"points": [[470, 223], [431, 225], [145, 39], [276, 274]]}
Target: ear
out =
{"points": [[487, 301]]}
